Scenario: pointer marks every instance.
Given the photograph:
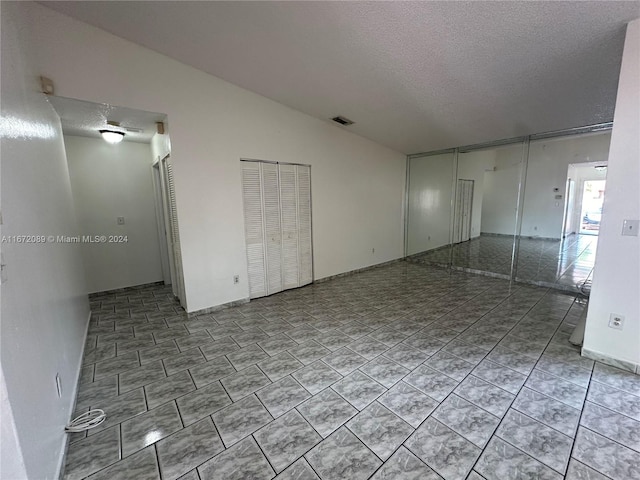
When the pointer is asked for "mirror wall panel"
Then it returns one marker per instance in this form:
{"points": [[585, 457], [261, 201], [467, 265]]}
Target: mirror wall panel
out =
{"points": [[429, 213], [485, 208], [565, 183]]}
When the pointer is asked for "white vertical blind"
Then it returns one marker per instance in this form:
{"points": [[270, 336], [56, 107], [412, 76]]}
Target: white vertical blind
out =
{"points": [[305, 255], [254, 228], [273, 227]]}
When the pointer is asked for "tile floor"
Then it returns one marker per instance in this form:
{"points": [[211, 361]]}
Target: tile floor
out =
{"points": [[548, 263], [400, 372]]}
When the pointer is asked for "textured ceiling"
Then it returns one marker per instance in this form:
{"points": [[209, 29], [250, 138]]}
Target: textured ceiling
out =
{"points": [[415, 76], [85, 119]]}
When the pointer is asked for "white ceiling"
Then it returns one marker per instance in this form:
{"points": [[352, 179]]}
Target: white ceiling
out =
{"points": [[415, 76], [85, 119]]}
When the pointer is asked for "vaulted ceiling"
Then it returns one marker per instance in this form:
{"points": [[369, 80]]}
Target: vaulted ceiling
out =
{"points": [[415, 76]]}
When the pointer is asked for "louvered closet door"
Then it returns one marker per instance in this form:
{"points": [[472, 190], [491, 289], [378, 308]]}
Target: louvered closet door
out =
{"points": [[305, 255], [289, 215], [273, 228], [175, 232], [254, 228]]}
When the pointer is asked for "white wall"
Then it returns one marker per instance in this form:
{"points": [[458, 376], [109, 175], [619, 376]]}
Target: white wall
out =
{"points": [[357, 185], [160, 145], [547, 169], [110, 181], [44, 302], [429, 210], [500, 199], [11, 462], [616, 278]]}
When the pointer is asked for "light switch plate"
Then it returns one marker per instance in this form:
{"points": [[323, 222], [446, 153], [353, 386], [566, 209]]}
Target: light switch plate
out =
{"points": [[120, 220], [630, 227]]}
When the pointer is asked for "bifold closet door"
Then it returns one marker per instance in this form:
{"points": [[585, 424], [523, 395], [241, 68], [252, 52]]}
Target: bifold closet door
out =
{"points": [[289, 215], [254, 228], [262, 227], [273, 227], [305, 250], [277, 212], [295, 203]]}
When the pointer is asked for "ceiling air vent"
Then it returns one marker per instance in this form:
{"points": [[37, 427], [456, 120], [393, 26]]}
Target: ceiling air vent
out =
{"points": [[342, 120]]}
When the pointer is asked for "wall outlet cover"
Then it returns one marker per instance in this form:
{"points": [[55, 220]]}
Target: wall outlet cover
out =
{"points": [[616, 321], [630, 227]]}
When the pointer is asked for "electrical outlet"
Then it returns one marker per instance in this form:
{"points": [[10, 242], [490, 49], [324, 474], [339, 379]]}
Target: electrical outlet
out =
{"points": [[616, 321], [630, 227], [236, 279]]}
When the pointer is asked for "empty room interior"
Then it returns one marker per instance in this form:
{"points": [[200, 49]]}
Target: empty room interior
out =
{"points": [[320, 240]]}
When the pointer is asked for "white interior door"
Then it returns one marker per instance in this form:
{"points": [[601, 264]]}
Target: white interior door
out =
{"points": [[457, 215], [162, 228], [463, 206], [171, 217], [467, 204]]}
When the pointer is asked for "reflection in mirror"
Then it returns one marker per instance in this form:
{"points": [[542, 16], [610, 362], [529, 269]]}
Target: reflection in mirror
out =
{"points": [[486, 204], [565, 186], [429, 208]]}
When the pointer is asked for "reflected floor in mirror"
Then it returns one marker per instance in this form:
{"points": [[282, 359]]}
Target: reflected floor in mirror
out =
{"points": [[557, 264], [398, 372]]}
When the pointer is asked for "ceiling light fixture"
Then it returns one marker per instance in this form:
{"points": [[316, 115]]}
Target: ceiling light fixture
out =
{"points": [[600, 167], [111, 136]]}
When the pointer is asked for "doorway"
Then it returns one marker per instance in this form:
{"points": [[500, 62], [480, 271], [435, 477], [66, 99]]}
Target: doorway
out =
{"points": [[115, 192], [591, 212]]}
